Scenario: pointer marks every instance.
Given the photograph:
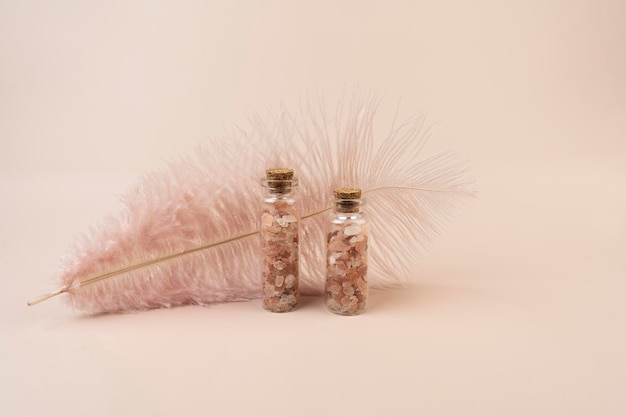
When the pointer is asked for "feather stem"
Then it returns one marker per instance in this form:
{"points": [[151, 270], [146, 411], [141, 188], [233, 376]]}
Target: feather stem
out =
{"points": [[102, 277], [45, 297]]}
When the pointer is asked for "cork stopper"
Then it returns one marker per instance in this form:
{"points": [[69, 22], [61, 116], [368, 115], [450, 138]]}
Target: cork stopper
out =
{"points": [[279, 174], [346, 193], [279, 180]]}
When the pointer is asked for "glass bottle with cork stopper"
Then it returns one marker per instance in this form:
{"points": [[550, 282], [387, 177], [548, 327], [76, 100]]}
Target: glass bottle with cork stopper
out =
{"points": [[346, 257], [279, 236]]}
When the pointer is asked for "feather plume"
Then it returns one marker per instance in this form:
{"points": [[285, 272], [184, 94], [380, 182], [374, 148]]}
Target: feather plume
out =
{"points": [[188, 234]]}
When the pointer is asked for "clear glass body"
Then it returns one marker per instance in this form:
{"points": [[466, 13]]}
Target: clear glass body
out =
{"points": [[279, 235], [346, 259]]}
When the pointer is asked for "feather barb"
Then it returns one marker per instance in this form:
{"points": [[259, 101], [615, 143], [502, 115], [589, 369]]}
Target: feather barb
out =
{"points": [[189, 234], [111, 274]]}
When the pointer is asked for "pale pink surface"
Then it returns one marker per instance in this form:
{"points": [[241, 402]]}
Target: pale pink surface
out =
{"points": [[517, 311]]}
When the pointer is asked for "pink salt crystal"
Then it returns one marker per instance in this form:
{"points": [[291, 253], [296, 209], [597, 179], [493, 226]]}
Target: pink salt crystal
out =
{"points": [[337, 245], [352, 230], [279, 280], [267, 219], [279, 236], [290, 280]]}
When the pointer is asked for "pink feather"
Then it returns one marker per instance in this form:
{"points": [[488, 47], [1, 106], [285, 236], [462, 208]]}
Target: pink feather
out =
{"points": [[188, 233]]}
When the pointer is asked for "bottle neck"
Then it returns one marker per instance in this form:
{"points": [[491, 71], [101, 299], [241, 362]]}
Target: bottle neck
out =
{"points": [[278, 192], [347, 206], [278, 188]]}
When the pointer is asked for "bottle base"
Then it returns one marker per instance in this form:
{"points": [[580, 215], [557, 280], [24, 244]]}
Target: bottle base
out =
{"points": [[280, 309], [339, 313], [345, 310]]}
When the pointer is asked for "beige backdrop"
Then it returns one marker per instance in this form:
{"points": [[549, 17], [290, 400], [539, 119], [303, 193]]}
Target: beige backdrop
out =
{"points": [[518, 310]]}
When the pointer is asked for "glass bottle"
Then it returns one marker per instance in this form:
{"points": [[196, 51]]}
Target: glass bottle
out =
{"points": [[346, 257], [279, 235]]}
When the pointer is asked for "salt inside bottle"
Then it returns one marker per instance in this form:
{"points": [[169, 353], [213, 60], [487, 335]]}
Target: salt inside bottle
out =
{"points": [[279, 236], [346, 257]]}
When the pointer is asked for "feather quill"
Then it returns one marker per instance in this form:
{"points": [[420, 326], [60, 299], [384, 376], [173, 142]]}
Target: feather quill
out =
{"points": [[188, 234]]}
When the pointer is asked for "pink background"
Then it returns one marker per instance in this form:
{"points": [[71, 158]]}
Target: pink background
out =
{"points": [[519, 309]]}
